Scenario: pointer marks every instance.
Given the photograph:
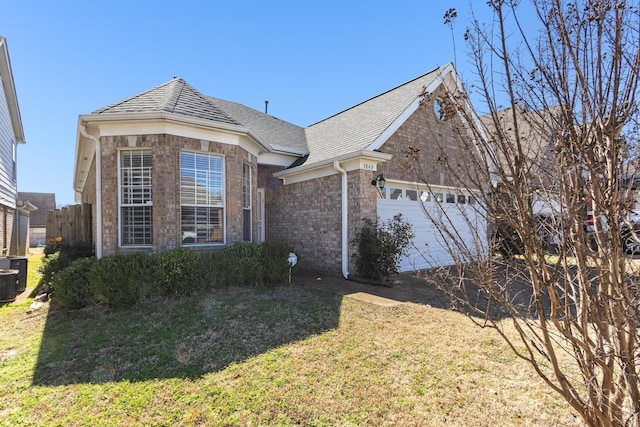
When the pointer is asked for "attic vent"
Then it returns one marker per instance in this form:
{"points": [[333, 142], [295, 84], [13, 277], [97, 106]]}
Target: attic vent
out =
{"points": [[266, 107]]}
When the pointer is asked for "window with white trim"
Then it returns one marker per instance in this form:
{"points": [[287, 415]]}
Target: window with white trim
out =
{"points": [[136, 202], [246, 202], [201, 198]]}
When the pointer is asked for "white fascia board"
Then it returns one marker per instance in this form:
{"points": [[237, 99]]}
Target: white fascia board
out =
{"points": [[388, 132], [85, 152], [365, 160], [175, 124], [6, 79], [276, 159], [287, 150]]}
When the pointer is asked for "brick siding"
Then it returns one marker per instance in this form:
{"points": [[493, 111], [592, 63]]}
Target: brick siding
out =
{"points": [[166, 188]]}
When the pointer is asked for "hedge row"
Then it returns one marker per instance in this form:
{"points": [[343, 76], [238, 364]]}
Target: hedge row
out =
{"points": [[121, 280]]}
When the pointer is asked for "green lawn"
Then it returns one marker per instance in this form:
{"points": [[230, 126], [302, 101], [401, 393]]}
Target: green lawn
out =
{"points": [[285, 356]]}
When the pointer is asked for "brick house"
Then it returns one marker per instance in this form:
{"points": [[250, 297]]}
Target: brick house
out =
{"points": [[178, 168]]}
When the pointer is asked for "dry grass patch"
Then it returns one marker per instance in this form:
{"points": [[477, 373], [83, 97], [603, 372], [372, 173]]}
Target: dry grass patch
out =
{"points": [[288, 356]]}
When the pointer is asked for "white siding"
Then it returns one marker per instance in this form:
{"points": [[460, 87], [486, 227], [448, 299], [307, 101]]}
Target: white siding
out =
{"points": [[8, 186]]}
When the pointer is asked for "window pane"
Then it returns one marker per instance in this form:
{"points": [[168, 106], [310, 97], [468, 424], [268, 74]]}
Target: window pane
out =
{"points": [[246, 225], [451, 198], [395, 193], [201, 225], [201, 198], [438, 197], [136, 211], [137, 225], [462, 199], [425, 196], [201, 179], [411, 194]]}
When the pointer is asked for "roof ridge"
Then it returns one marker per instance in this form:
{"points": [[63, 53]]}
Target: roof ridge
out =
{"points": [[174, 98], [377, 96], [138, 95]]}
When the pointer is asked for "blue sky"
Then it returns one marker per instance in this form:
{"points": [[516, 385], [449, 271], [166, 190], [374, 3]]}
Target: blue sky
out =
{"points": [[309, 59]]}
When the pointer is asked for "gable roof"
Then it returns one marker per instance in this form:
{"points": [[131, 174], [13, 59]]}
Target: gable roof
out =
{"points": [[358, 127], [43, 201], [175, 96]]}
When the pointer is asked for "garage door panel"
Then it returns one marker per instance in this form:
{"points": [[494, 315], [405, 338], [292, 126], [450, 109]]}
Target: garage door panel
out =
{"points": [[431, 223]]}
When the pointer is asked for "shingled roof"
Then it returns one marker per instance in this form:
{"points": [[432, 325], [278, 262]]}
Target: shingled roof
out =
{"points": [[175, 96], [358, 127], [349, 131], [278, 133]]}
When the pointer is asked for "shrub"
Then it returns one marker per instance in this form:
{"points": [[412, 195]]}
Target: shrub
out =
{"points": [[275, 261], [208, 266], [71, 286], [239, 264], [175, 272], [52, 264], [245, 264], [121, 279], [59, 256], [380, 246]]}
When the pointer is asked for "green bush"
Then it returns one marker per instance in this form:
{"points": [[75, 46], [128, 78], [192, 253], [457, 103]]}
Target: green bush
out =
{"points": [[275, 261], [51, 265], [380, 246], [59, 256], [245, 264], [121, 279], [71, 286], [175, 272], [208, 266]]}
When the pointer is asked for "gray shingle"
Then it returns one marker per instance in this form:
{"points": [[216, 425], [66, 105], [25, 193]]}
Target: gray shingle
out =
{"points": [[276, 132], [357, 127], [176, 96]]}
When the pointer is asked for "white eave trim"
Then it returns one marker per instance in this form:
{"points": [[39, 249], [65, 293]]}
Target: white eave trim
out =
{"points": [[389, 131], [120, 121], [364, 159], [6, 79]]}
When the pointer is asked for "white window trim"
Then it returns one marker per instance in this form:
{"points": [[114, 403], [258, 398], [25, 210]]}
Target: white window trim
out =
{"points": [[119, 189], [250, 207]]}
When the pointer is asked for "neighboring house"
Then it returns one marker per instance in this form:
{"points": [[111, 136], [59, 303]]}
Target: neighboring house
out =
{"points": [[536, 131], [44, 202], [11, 135], [177, 168]]}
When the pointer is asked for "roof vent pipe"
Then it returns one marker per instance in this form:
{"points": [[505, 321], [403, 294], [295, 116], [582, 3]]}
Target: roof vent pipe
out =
{"points": [[266, 106]]}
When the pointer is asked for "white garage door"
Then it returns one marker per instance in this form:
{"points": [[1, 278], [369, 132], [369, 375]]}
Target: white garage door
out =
{"points": [[446, 224]]}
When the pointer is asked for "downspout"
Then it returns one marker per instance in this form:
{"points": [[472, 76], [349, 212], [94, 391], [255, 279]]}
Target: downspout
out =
{"points": [[96, 141], [345, 220]]}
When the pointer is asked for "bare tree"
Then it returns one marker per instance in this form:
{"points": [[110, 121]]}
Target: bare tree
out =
{"points": [[555, 157]]}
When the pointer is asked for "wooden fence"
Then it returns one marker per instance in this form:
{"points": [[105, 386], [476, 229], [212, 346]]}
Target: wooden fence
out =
{"points": [[71, 223]]}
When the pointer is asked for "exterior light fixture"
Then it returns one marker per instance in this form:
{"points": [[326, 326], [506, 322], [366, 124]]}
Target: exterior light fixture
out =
{"points": [[379, 181]]}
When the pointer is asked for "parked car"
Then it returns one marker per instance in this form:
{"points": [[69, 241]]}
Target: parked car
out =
{"points": [[629, 234]]}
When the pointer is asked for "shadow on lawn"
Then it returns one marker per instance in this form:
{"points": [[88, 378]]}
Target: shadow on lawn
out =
{"points": [[192, 336], [185, 338]]}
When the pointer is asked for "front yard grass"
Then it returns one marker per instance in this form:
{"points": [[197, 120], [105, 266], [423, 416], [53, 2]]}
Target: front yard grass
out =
{"points": [[284, 356]]}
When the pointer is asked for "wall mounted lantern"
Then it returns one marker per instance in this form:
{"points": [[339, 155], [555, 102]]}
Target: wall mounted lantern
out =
{"points": [[379, 182]]}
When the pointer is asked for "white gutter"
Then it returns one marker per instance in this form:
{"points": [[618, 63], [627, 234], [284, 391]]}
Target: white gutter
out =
{"points": [[345, 220], [96, 141]]}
